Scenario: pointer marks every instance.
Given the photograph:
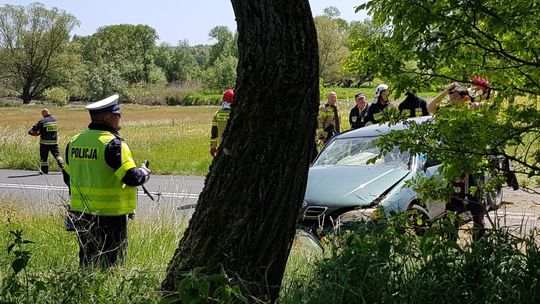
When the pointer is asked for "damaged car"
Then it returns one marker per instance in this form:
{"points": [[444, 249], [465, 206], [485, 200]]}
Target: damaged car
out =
{"points": [[344, 186]]}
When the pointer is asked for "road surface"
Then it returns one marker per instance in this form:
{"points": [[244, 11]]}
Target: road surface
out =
{"points": [[177, 196]]}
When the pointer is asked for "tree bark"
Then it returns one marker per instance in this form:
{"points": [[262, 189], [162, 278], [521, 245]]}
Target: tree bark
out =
{"points": [[245, 218]]}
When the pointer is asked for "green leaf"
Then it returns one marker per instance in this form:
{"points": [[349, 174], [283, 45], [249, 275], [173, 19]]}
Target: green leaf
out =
{"points": [[19, 264]]}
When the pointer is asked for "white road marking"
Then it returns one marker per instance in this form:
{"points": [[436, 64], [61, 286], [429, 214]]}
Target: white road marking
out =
{"points": [[65, 189]]}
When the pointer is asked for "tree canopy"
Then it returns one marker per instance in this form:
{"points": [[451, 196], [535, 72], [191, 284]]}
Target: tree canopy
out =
{"points": [[422, 43], [34, 50]]}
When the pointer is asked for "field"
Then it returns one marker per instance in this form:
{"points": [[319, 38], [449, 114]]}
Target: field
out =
{"points": [[174, 138]]}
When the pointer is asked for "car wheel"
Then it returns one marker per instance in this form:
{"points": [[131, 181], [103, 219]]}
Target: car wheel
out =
{"points": [[419, 219], [494, 199]]}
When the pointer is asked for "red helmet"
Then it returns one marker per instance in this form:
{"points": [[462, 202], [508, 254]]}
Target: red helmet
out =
{"points": [[228, 96]]}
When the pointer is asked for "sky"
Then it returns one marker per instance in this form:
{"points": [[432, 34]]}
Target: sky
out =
{"points": [[173, 20]]}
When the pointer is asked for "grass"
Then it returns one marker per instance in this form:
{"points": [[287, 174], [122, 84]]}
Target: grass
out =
{"points": [[54, 258], [174, 139], [377, 263]]}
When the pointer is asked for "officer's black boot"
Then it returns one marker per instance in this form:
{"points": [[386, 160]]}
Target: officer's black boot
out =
{"points": [[45, 169]]}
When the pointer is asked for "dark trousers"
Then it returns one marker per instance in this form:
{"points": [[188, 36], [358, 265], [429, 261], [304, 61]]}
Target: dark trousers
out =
{"points": [[44, 156], [102, 239], [462, 202]]}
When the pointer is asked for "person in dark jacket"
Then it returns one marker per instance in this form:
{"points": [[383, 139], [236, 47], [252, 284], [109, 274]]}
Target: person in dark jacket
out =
{"points": [[357, 115], [374, 113], [102, 178], [47, 129], [328, 120], [413, 105]]}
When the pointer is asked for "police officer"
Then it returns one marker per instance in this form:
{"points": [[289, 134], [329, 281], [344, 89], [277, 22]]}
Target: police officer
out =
{"points": [[357, 115], [102, 177], [328, 120], [47, 129], [220, 120], [414, 105], [374, 113]]}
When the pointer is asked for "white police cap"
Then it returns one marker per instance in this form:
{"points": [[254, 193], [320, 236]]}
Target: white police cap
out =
{"points": [[109, 104]]}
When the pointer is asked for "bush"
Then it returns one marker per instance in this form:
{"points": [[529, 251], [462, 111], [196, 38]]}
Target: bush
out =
{"points": [[58, 96], [386, 263]]}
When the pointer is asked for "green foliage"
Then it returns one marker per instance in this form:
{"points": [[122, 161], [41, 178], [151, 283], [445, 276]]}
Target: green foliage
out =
{"points": [[129, 49], [222, 74], [14, 287], [468, 141], [34, 50], [103, 80], [59, 96], [384, 262], [225, 46], [421, 44], [197, 287], [332, 45], [422, 41], [179, 63]]}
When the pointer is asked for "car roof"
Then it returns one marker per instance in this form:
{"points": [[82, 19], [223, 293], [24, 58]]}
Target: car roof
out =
{"points": [[379, 129]]}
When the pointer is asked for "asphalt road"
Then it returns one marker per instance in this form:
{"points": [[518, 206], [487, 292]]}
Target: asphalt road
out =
{"points": [[176, 196]]}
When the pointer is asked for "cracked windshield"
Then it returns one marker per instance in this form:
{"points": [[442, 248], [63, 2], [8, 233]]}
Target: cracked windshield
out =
{"points": [[357, 151]]}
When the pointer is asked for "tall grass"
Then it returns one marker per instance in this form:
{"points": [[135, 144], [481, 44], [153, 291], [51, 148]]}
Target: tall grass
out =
{"points": [[385, 263], [53, 271], [174, 139], [379, 262]]}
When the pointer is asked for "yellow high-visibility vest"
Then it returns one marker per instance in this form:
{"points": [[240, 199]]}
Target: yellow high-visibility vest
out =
{"points": [[96, 188]]}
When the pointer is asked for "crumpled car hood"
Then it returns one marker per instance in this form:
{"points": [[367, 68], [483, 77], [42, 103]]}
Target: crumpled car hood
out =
{"points": [[343, 186]]}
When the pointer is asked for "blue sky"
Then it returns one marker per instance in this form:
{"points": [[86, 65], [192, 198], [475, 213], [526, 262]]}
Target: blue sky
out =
{"points": [[173, 20]]}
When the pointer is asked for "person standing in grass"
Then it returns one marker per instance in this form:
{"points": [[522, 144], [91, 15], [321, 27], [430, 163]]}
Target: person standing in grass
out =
{"points": [[47, 129], [374, 113], [220, 120], [464, 200], [357, 115], [328, 120], [102, 178]]}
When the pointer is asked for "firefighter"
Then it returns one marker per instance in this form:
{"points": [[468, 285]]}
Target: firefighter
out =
{"points": [[102, 177], [220, 120], [374, 113], [357, 115], [47, 129], [413, 106], [328, 120]]}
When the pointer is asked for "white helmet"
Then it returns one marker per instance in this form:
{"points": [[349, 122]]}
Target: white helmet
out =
{"points": [[379, 89]]}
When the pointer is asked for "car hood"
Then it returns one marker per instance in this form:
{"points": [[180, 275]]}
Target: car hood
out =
{"points": [[344, 186]]}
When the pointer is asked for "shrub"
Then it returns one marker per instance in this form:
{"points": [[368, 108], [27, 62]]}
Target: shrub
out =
{"points": [[385, 263], [56, 95]]}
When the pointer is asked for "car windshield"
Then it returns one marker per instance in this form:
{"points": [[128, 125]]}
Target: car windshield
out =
{"points": [[357, 151]]}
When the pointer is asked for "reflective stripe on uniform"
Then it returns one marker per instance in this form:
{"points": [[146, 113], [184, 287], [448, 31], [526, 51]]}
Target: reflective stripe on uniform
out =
{"points": [[48, 142]]}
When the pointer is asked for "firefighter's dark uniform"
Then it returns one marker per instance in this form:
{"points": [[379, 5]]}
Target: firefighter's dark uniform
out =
{"points": [[414, 105], [374, 112], [328, 122], [357, 117], [48, 143]]}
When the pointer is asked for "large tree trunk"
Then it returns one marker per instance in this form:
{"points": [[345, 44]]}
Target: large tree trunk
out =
{"points": [[246, 214], [26, 96]]}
